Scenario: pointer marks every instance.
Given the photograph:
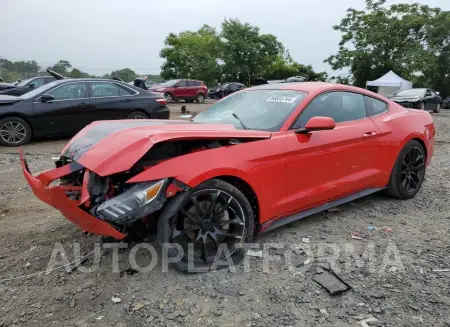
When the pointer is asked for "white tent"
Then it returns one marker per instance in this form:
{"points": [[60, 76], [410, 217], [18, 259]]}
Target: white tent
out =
{"points": [[390, 83]]}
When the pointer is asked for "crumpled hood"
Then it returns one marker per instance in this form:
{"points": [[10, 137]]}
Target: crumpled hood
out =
{"points": [[109, 147]]}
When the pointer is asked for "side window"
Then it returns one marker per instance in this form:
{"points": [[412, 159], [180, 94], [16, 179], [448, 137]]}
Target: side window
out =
{"points": [[181, 83], [125, 91], [375, 106], [341, 106], [37, 82], [104, 89], [194, 83], [49, 79], [234, 87], [69, 91]]}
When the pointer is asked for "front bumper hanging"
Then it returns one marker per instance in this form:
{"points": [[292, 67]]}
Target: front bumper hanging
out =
{"points": [[57, 198]]}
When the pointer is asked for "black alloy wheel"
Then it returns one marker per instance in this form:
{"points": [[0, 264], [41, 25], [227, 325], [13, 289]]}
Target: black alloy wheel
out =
{"points": [[211, 226], [409, 171], [137, 115], [412, 171]]}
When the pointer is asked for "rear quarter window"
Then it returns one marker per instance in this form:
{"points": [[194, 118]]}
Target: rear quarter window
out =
{"points": [[375, 106]]}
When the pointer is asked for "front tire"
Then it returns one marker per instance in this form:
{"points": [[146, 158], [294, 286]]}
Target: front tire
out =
{"points": [[408, 173], [14, 131], [211, 225], [200, 98]]}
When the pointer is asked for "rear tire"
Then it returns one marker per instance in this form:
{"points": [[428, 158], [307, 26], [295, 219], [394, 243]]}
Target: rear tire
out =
{"points": [[200, 98], [214, 215], [137, 115], [408, 173], [169, 97], [14, 131]]}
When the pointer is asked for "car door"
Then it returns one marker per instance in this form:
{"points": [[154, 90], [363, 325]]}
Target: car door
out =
{"points": [[110, 100], [326, 165], [192, 88], [66, 113], [180, 89], [431, 100]]}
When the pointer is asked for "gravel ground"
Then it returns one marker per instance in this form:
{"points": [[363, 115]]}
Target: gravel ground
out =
{"points": [[396, 291]]}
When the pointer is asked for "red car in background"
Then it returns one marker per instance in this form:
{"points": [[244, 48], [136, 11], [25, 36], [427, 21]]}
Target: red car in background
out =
{"points": [[182, 89], [255, 160]]}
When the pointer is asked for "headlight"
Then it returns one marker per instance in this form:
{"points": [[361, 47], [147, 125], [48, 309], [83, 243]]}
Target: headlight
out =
{"points": [[140, 200]]}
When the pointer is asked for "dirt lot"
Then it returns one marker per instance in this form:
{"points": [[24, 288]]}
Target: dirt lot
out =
{"points": [[407, 292]]}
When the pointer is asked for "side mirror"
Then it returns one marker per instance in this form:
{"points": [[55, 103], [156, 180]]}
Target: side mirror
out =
{"points": [[31, 85], [47, 98], [317, 124], [176, 85]]}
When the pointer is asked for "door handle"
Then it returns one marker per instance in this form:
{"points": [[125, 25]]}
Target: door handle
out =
{"points": [[82, 104], [369, 134], [127, 100]]}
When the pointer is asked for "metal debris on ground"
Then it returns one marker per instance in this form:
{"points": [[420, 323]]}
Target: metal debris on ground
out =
{"points": [[441, 270], [305, 240], [356, 236], [116, 299], [258, 254], [371, 228], [331, 282]]}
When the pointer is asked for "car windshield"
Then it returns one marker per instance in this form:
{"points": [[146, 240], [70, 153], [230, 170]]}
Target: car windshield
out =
{"points": [[264, 110], [411, 93], [39, 90], [25, 82], [172, 82]]}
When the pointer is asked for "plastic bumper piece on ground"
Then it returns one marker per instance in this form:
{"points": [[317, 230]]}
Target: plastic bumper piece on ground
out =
{"points": [[56, 197]]}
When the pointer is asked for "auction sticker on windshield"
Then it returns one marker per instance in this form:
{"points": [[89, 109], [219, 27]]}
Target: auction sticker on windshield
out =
{"points": [[281, 98]]}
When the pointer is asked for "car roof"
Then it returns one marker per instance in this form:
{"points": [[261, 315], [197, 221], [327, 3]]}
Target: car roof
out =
{"points": [[309, 87], [87, 80]]}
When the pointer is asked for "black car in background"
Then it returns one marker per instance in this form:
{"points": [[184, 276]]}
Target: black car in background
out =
{"points": [[224, 89], [425, 99], [6, 86], [27, 85], [446, 103], [66, 106]]}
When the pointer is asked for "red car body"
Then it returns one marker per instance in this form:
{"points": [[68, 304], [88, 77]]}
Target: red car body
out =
{"points": [[183, 89], [292, 174]]}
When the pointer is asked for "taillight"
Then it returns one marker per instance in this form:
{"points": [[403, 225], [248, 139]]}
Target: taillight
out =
{"points": [[162, 101]]}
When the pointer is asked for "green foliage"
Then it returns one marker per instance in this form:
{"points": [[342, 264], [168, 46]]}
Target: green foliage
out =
{"points": [[246, 52], [61, 67], [239, 53], [410, 39], [126, 74], [192, 55]]}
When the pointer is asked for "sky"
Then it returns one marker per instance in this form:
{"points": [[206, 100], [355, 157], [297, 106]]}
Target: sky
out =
{"points": [[98, 36]]}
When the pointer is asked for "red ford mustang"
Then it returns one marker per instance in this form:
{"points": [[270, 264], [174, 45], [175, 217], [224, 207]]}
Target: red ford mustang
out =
{"points": [[255, 160]]}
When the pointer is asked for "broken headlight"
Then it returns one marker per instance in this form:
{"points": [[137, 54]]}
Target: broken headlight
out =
{"points": [[140, 200]]}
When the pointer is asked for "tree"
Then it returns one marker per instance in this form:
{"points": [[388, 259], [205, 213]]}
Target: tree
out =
{"points": [[192, 55], [126, 74], [246, 52], [76, 73], [382, 38], [61, 67]]}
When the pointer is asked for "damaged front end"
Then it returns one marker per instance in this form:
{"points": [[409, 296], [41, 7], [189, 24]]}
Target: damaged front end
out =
{"points": [[106, 206]]}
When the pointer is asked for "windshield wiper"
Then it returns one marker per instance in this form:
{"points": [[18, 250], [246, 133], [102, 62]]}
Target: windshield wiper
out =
{"points": [[242, 123]]}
